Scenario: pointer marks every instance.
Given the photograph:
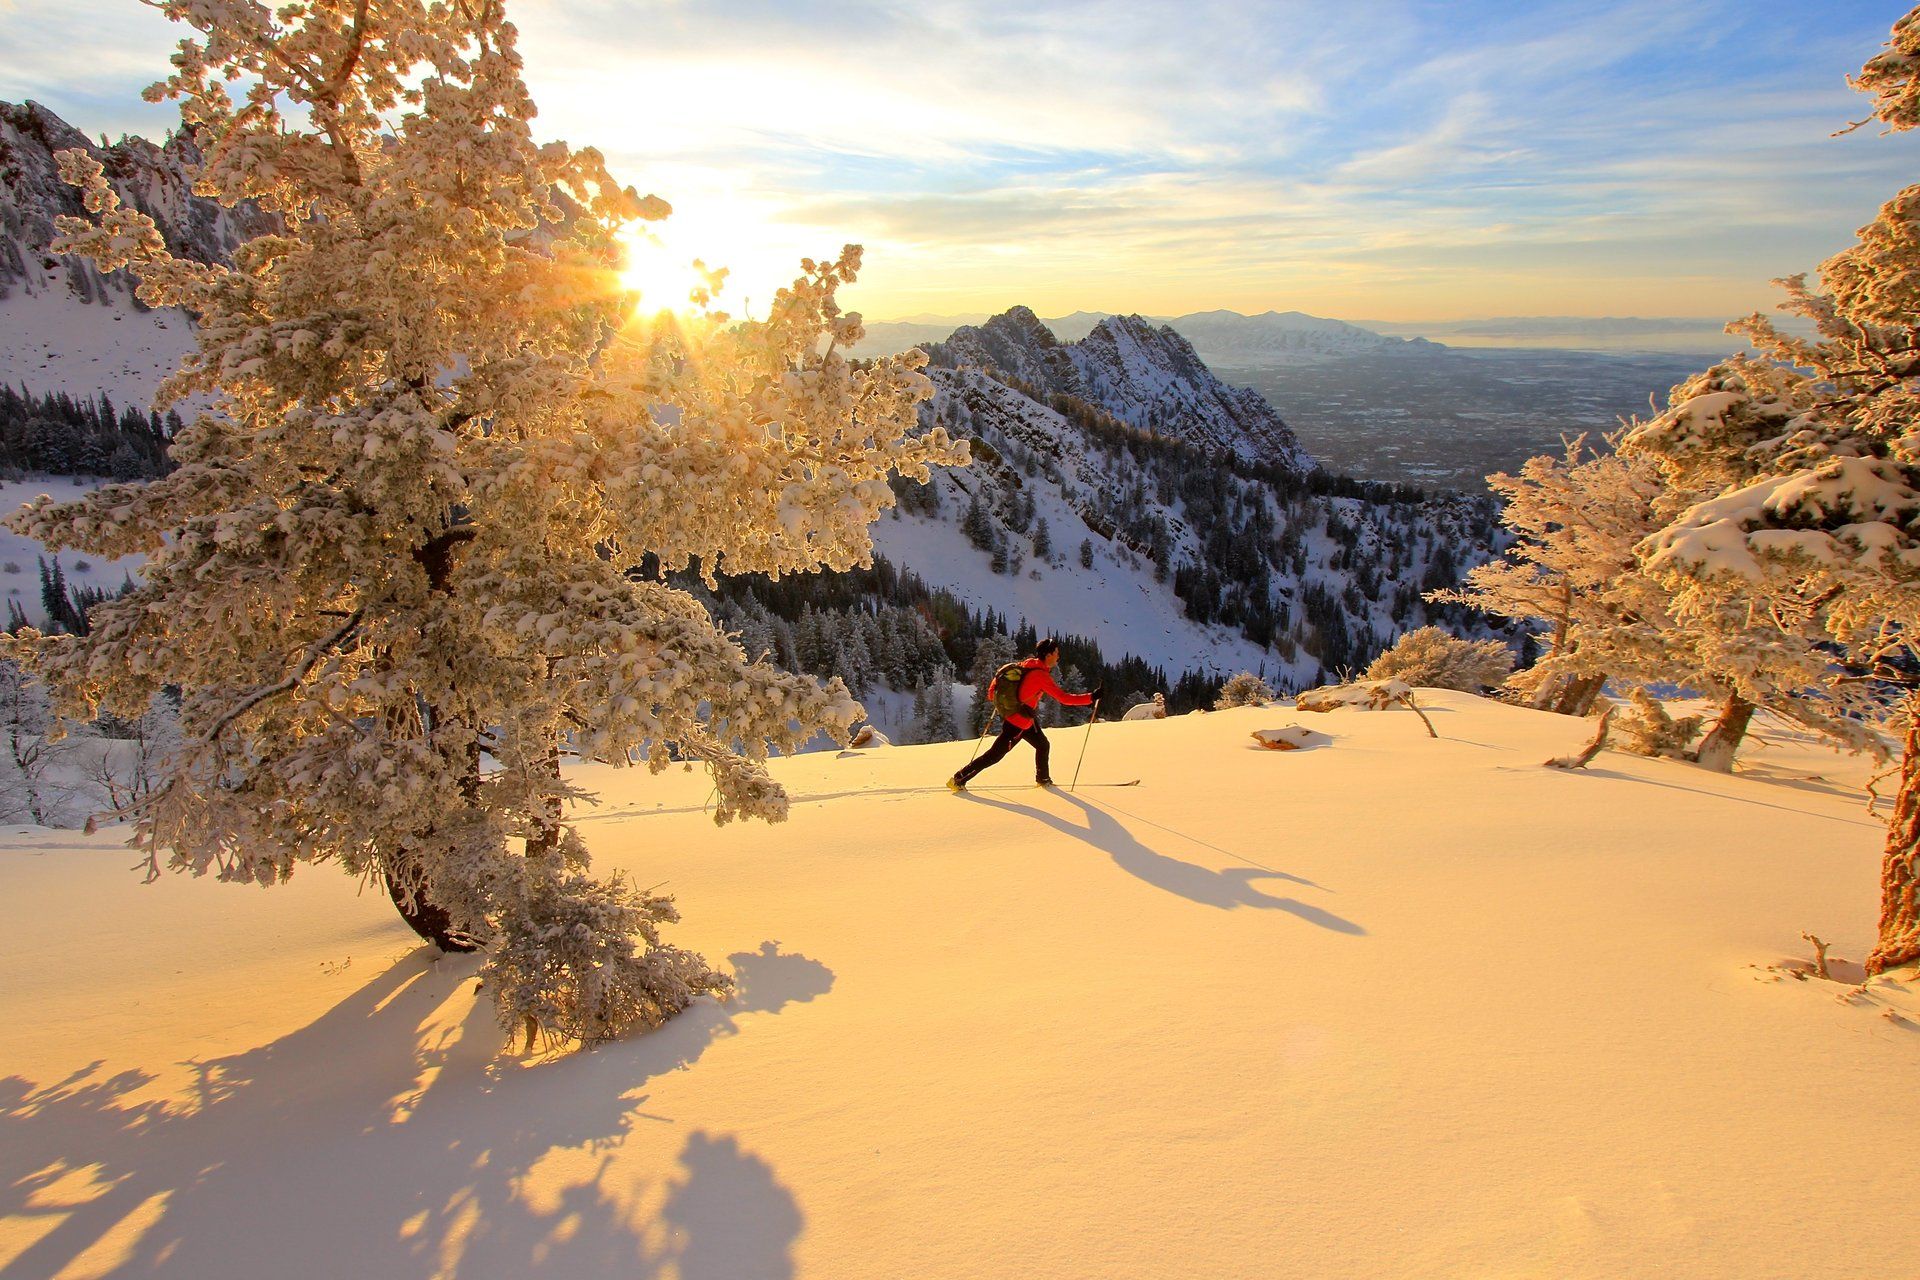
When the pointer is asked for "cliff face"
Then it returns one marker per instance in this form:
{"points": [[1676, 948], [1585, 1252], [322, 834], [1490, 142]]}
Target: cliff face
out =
{"points": [[156, 179]]}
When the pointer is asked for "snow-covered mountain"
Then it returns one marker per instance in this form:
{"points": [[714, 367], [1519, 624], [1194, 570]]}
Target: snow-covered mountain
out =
{"points": [[1186, 544], [1145, 376], [64, 326]]}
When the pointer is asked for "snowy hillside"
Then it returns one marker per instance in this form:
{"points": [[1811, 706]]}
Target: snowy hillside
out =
{"points": [[1390, 1007], [20, 556], [51, 341], [1153, 541], [63, 326]]}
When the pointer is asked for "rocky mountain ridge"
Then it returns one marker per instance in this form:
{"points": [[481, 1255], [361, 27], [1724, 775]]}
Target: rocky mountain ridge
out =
{"points": [[1148, 377], [153, 178]]}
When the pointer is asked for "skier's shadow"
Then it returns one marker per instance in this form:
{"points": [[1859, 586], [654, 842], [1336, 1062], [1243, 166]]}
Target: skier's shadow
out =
{"points": [[1227, 889], [382, 1140]]}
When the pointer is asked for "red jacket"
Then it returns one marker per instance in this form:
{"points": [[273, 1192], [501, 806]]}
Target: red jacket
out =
{"points": [[1036, 682]]}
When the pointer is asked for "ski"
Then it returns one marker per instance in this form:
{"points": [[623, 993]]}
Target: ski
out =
{"points": [[1028, 786]]}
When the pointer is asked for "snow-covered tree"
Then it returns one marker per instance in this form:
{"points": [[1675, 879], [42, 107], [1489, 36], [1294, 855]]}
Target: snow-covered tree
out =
{"points": [[1244, 689], [399, 543], [1435, 659], [1577, 565], [1575, 522], [1811, 458], [994, 652]]}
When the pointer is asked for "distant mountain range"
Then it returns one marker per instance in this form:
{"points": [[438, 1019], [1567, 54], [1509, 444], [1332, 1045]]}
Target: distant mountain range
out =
{"points": [[1294, 338], [1557, 326], [1273, 337]]}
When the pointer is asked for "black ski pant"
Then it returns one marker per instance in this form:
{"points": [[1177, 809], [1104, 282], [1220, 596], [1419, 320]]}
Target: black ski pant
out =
{"points": [[1003, 744]]}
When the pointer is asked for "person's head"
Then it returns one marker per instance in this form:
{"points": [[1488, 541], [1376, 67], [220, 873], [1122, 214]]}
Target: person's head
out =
{"points": [[1048, 651]]}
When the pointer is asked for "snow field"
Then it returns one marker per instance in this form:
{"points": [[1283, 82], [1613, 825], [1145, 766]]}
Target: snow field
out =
{"points": [[20, 556], [1394, 1007], [51, 341]]}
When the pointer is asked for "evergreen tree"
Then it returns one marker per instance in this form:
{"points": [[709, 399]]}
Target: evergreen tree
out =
{"points": [[399, 543], [1811, 466]]}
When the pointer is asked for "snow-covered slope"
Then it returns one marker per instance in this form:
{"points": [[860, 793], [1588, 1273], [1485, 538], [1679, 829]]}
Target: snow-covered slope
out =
{"points": [[20, 557], [1389, 1007], [51, 341], [1115, 600], [1177, 539], [64, 326]]}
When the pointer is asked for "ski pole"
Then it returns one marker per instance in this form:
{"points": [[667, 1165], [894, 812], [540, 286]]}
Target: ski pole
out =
{"points": [[985, 725], [1083, 746]]}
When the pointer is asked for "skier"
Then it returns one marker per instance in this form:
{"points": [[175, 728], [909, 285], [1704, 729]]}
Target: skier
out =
{"points": [[1015, 691]]}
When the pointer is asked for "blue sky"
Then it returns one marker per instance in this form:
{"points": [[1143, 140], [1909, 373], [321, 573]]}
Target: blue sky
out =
{"points": [[1388, 160]]}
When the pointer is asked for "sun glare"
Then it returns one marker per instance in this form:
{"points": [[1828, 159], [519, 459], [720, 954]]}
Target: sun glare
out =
{"points": [[749, 243], [664, 272]]}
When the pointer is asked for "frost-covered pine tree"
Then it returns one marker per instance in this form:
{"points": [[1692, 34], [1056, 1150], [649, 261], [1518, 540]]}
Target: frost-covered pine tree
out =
{"points": [[391, 570], [1811, 455], [1243, 689], [1578, 566]]}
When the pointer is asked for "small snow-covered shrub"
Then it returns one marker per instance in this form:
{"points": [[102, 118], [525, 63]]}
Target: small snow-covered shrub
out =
{"points": [[1144, 710], [1432, 658], [1647, 730], [1243, 690]]}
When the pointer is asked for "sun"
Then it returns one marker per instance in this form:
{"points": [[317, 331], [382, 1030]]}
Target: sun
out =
{"points": [[663, 272]]}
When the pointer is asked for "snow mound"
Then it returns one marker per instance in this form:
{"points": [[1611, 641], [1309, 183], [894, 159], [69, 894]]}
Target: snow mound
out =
{"points": [[1290, 737], [868, 736], [1364, 695]]}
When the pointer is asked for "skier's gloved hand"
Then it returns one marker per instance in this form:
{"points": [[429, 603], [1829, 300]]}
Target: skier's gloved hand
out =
{"points": [[1099, 693]]}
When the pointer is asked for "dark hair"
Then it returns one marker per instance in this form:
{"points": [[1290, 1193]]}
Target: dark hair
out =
{"points": [[1045, 647]]}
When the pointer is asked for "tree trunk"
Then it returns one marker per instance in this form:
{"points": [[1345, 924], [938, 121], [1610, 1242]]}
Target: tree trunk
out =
{"points": [[1900, 867], [426, 917], [1579, 694], [1717, 748]]}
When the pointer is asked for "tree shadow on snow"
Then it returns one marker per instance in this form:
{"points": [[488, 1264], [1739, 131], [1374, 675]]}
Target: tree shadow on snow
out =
{"points": [[1226, 889], [383, 1141], [1617, 776]]}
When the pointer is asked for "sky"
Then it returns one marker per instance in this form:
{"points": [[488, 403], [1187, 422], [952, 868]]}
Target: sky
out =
{"points": [[1395, 160]]}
